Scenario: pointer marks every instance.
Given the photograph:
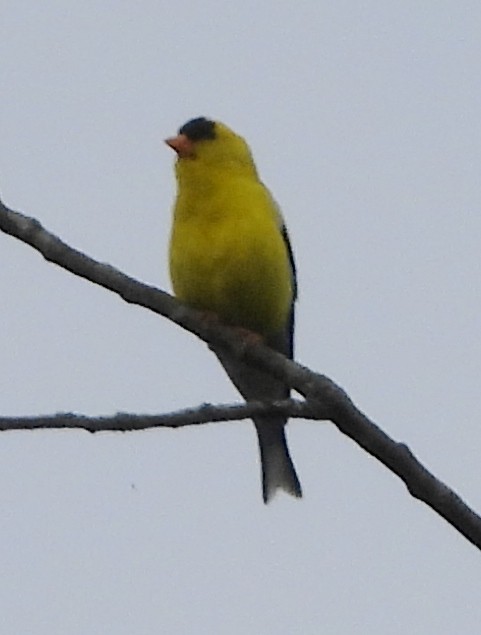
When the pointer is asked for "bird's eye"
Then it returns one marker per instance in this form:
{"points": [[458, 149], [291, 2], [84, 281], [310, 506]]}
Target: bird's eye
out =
{"points": [[198, 129]]}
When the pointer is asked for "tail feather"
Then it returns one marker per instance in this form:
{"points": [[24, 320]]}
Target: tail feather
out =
{"points": [[278, 471]]}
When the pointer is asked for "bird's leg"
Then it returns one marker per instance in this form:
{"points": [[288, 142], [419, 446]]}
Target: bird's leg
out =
{"points": [[249, 337]]}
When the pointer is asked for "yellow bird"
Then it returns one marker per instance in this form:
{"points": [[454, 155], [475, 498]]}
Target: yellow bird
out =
{"points": [[230, 254]]}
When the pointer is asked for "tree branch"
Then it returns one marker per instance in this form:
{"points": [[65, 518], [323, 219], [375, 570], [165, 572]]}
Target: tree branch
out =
{"points": [[318, 390], [125, 422]]}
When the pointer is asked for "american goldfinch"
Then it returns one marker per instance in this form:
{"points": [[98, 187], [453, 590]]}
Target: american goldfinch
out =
{"points": [[230, 254]]}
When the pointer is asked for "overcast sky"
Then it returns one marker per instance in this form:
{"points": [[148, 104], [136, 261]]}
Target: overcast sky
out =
{"points": [[364, 119]]}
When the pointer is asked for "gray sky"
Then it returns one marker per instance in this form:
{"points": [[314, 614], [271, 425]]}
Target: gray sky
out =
{"points": [[364, 119]]}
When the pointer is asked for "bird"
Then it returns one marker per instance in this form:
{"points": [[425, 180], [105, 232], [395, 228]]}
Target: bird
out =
{"points": [[230, 256]]}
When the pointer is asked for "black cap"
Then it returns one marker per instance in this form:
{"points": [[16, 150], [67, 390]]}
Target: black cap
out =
{"points": [[198, 129]]}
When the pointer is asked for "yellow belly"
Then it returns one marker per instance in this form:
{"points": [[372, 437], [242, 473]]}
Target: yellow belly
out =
{"points": [[237, 268]]}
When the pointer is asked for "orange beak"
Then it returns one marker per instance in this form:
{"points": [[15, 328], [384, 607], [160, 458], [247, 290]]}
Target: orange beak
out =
{"points": [[182, 145]]}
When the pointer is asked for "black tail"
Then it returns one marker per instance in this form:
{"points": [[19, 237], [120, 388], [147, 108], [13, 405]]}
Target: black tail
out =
{"points": [[278, 471]]}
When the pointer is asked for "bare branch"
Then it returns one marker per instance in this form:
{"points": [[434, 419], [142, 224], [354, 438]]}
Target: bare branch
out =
{"points": [[318, 390], [125, 422]]}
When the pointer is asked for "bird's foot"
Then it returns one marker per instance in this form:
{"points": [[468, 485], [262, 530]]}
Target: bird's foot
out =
{"points": [[249, 337]]}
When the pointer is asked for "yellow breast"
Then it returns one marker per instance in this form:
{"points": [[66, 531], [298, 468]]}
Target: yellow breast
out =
{"points": [[227, 255]]}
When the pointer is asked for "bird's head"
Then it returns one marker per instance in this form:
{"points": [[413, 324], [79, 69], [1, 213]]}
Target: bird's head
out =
{"points": [[205, 144]]}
